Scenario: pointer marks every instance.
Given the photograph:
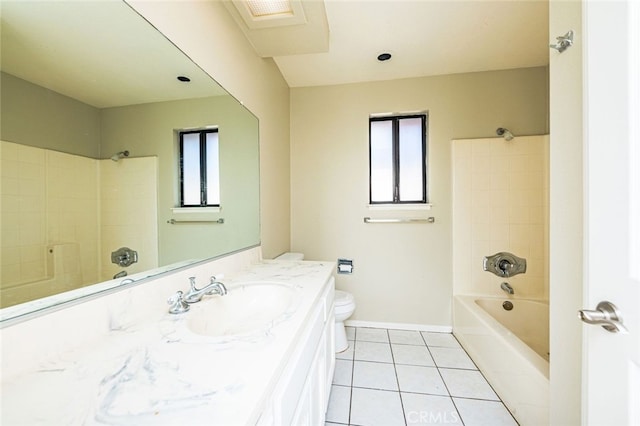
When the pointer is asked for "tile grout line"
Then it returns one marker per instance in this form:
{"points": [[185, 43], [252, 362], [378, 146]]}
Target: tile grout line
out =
{"points": [[393, 362], [442, 378], [395, 372], [353, 371]]}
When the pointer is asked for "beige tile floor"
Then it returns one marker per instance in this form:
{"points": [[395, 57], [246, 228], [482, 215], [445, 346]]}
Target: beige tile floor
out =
{"points": [[398, 377]]}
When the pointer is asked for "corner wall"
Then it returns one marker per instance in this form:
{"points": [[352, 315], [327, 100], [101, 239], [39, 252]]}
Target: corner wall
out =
{"points": [[566, 216], [403, 272]]}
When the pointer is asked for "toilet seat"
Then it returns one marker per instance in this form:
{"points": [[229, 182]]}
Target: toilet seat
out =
{"points": [[342, 298], [344, 305]]}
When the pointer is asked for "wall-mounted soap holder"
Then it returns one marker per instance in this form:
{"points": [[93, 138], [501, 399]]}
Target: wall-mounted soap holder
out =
{"points": [[345, 266]]}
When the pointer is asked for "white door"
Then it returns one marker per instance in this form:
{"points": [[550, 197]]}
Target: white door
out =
{"points": [[611, 368]]}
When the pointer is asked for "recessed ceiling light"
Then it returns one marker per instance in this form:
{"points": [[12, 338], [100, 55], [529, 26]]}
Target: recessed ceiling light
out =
{"points": [[261, 8], [184, 79], [384, 56]]}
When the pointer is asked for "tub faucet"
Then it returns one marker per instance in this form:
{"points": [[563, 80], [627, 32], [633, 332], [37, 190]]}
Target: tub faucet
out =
{"points": [[507, 287], [195, 294]]}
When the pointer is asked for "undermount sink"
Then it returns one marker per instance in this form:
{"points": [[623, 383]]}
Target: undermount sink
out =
{"points": [[246, 308]]}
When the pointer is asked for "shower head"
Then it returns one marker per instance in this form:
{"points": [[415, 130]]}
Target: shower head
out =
{"points": [[120, 155], [505, 133]]}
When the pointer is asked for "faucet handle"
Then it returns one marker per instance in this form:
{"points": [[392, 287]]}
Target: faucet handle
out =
{"points": [[178, 304], [192, 283], [215, 278]]}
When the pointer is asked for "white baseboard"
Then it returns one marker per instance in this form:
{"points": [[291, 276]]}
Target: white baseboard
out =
{"points": [[400, 326]]}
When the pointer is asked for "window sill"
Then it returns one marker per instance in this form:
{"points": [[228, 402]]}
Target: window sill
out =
{"points": [[396, 207], [187, 210], [196, 214]]}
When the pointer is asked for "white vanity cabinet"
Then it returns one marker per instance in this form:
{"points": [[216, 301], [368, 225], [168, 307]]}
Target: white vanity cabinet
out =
{"points": [[301, 394]]}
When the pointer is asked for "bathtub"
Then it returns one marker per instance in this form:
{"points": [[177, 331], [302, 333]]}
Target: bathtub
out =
{"points": [[62, 273], [511, 349]]}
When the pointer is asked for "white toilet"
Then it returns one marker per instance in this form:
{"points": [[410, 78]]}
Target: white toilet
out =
{"points": [[344, 307]]}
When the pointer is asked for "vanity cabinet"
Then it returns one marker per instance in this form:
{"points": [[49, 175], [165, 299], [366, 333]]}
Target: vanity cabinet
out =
{"points": [[302, 393]]}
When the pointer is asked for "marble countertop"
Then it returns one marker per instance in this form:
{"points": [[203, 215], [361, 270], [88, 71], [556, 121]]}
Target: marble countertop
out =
{"points": [[159, 372]]}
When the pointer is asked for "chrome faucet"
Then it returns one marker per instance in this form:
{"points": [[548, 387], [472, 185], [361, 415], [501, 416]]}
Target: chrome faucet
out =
{"points": [[507, 287], [195, 294]]}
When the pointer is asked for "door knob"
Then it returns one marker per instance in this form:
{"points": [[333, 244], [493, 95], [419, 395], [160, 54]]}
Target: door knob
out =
{"points": [[607, 315]]}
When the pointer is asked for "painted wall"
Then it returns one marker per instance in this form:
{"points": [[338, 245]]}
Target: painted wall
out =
{"points": [[566, 215], [403, 272], [151, 130], [46, 119], [206, 32]]}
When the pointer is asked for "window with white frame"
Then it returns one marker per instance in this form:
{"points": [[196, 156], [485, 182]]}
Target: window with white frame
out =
{"points": [[398, 159], [199, 168]]}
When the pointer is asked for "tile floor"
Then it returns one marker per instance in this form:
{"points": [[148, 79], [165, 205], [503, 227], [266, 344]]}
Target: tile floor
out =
{"points": [[398, 377]]}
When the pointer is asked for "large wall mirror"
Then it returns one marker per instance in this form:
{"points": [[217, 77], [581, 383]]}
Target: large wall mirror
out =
{"points": [[92, 108]]}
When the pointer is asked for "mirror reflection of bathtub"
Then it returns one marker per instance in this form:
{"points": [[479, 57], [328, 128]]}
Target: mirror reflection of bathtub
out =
{"points": [[60, 187]]}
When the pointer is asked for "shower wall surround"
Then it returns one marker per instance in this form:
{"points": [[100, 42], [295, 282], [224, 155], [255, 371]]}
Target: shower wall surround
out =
{"points": [[52, 198], [501, 203]]}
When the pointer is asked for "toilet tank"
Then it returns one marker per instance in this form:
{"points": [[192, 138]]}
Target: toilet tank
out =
{"points": [[290, 256]]}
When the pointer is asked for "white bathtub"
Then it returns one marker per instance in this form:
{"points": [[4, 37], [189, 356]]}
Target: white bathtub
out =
{"points": [[511, 350]]}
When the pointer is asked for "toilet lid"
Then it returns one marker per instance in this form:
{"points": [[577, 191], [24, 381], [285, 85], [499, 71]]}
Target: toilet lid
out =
{"points": [[343, 298]]}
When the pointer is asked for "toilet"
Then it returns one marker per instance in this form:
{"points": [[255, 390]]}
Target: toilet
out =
{"points": [[344, 307]]}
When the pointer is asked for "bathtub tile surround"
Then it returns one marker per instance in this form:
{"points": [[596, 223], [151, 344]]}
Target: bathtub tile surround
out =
{"points": [[501, 203], [409, 388], [88, 216], [130, 361]]}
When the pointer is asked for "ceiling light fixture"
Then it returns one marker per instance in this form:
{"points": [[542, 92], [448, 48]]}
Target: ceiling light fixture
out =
{"points": [[384, 56], [261, 8]]}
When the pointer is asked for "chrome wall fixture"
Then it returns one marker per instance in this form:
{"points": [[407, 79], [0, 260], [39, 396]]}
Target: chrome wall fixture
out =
{"points": [[124, 257], [119, 155], [504, 264], [401, 220], [505, 133], [174, 221], [563, 42]]}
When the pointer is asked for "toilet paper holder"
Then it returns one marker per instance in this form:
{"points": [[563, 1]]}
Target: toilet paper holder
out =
{"points": [[345, 266]]}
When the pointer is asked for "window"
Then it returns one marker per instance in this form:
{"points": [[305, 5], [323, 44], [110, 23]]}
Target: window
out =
{"points": [[398, 159], [199, 169]]}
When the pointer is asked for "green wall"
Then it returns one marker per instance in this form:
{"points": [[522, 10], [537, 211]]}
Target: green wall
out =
{"points": [[151, 130], [35, 116]]}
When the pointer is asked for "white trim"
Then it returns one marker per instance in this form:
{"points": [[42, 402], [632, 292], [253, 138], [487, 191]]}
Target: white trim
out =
{"points": [[196, 210], [382, 207], [400, 326]]}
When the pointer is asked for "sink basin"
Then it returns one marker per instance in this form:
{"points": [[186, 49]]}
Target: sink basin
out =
{"points": [[245, 309]]}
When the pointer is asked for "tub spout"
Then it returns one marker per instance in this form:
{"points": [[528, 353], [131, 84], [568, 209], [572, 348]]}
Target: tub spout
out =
{"points": [[507, 288]]}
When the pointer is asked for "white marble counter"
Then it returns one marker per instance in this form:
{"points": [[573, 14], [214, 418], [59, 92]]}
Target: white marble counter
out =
{"points": [[152, 369]]}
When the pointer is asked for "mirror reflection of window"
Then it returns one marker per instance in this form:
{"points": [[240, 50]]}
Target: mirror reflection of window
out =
{"points": [[199, 168]]}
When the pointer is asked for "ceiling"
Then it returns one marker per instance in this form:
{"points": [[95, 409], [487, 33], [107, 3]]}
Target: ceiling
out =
{"points": [[425, 37], [101, 53]]}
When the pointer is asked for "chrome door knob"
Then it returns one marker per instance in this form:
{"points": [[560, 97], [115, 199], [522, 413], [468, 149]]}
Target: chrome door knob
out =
{"points": [[607, 315]]}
